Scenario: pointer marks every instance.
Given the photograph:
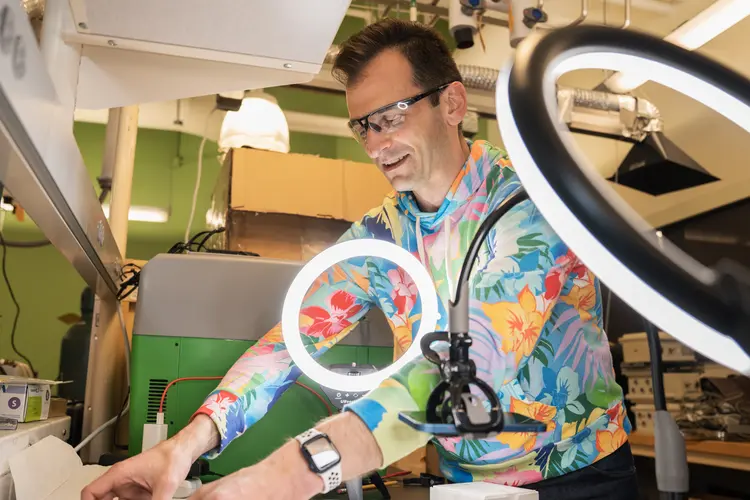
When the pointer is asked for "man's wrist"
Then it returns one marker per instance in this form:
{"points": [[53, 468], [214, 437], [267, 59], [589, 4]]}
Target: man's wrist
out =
{"points": [[300, 482], [198, 437]]}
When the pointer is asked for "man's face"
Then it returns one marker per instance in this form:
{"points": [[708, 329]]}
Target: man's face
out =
{"points": [[407, 153]]}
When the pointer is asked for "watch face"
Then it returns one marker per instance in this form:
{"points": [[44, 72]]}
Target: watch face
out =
{"points": [[322, 455]]}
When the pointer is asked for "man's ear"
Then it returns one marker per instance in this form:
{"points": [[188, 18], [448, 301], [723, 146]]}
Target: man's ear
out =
{"points": [[455, 103]]}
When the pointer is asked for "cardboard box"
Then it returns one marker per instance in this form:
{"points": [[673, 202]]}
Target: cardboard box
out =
{"points": [[290, 206], [25, 399], [270, 182], [281, 236]]}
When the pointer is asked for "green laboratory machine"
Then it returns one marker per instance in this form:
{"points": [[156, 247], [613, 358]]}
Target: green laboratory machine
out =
{"points": [[195, 316]]}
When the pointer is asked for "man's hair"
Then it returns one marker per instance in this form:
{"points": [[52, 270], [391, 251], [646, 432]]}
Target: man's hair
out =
{"points": [[429, 56]]}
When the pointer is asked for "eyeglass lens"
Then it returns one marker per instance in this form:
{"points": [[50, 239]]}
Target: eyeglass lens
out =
{"points": [[384, 121]]}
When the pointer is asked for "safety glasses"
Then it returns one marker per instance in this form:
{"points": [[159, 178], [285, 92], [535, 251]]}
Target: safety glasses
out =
{"points": [[388, 118]]}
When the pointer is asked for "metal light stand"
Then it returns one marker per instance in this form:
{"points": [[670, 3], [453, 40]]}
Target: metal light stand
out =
{"points": [[672, 472]]}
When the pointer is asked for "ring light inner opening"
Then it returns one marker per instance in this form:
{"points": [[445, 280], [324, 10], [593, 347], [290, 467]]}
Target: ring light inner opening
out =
{"points": [[320, 264]]}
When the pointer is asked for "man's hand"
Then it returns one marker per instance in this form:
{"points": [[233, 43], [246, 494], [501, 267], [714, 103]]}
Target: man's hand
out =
{"points": [[156, 473], [285, 475], [257, 483]]}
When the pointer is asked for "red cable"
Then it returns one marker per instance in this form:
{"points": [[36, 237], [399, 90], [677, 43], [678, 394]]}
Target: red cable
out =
{"points": [[396, 474], [164, 394], [182, 379], [316, 395]]}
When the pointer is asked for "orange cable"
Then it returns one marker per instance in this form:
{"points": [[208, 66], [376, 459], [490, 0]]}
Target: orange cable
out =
{"points": [[182, 379]]}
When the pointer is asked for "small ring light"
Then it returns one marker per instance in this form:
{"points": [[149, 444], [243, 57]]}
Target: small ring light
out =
{"points": [[322, 262], [662, 283]]}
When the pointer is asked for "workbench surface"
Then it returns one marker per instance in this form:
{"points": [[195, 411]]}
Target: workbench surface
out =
{"points": [[397, 493]]}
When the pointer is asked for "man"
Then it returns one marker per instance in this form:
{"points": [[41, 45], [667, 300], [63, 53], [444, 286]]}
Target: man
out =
{"points": [[535, 313]]}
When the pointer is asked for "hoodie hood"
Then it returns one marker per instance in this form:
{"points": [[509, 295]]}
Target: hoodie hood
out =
{"points": [[482, 156]]}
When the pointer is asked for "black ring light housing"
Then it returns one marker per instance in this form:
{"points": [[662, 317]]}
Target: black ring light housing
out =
{"points": [[718, 305]]}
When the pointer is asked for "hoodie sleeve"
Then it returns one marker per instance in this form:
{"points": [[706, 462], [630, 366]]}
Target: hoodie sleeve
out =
{"points": [[515, 285], [331, 309]]}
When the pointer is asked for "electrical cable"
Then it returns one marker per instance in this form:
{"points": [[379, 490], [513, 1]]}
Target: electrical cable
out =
{"points": [[202, 244], [316, 394], [198, 176], [15, 302], [183, 379]]}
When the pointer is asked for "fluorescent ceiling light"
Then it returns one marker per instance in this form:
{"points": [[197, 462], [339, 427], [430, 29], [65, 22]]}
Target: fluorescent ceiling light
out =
{"points": [[695, 33], [633, 288], [143, 214], [320, 264]]}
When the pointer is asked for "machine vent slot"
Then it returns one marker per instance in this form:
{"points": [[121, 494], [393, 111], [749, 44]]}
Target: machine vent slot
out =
{"points": [[156, 388]]}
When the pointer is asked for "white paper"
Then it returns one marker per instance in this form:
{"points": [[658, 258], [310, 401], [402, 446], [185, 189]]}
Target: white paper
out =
{"points": [[480, 491], [51, 469]]}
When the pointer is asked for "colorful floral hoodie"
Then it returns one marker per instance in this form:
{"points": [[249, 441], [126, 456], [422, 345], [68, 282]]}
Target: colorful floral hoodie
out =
{"points": [[536, 324]]}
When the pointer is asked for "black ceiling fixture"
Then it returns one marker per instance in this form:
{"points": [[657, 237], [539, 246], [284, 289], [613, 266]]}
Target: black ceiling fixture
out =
{"points": [[658, 166]]}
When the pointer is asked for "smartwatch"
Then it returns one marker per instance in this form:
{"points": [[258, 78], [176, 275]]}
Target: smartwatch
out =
{"points": [[322, 457]]}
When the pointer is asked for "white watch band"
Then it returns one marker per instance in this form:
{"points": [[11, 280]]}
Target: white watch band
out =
{"points": [[331, 477]]}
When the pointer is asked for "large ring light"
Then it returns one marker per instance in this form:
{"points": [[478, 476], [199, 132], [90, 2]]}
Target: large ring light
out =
{"points": [[666, 286], [322, 262]]}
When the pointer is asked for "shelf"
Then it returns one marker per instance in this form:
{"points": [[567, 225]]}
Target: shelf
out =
{"points": [[726, 454]]}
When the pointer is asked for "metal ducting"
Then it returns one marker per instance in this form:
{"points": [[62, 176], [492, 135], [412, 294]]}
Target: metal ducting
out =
{"points": [[478, 77], [609, 115]]}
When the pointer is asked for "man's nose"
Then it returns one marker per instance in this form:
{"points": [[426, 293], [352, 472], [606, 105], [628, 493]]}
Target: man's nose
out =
{"points": [[376, 143]]}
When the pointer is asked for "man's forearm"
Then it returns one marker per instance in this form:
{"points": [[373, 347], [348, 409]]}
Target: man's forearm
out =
{"points": [[359, 454], [198, 437], [359, 451]]}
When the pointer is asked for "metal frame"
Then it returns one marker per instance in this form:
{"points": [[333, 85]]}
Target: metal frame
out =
{"points": [[43, 167]]}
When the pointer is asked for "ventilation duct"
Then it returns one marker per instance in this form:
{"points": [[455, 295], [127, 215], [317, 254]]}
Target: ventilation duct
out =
{"points": [[605, 114]]}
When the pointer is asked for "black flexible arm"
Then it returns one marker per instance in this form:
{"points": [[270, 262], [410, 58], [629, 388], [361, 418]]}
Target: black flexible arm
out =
{"points": [[452, 401], [514, 199]]}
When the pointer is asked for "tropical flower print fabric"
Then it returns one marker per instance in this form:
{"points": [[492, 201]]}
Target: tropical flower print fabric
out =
{"points": [[535, 320]]}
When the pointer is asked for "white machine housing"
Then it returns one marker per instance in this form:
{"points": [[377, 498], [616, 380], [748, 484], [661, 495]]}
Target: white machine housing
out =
{"points": [[144, 51]]}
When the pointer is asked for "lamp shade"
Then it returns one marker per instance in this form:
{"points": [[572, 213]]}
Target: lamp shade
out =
{"points": [[259, 124]]}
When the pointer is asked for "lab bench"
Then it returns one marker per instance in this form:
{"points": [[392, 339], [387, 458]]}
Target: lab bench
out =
{"points": [[397, 493], [725, 454]]}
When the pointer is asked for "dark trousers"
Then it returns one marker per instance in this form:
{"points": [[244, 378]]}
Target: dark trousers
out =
{"points": [[611, 478]]}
